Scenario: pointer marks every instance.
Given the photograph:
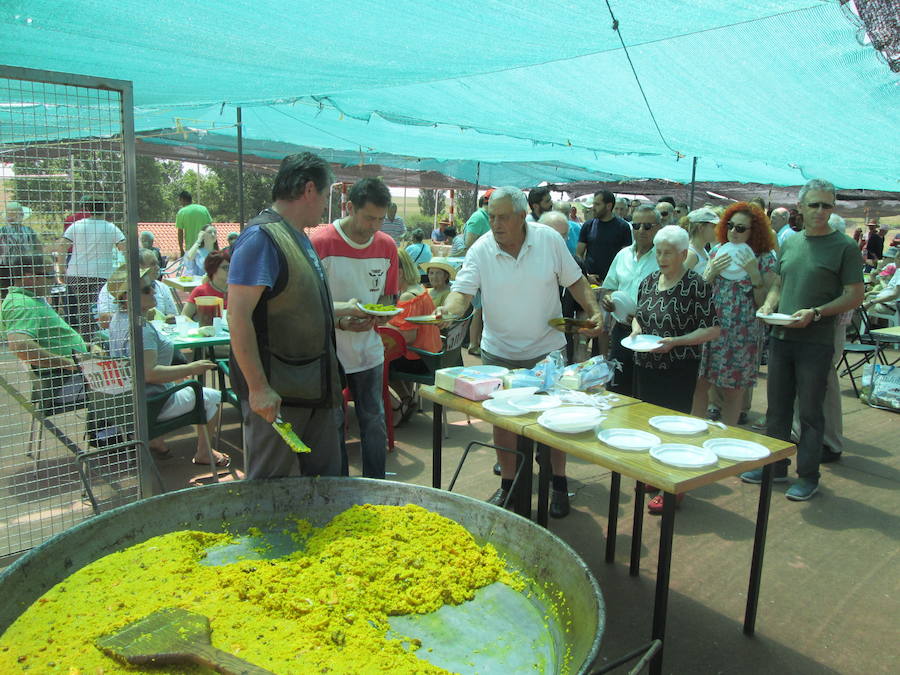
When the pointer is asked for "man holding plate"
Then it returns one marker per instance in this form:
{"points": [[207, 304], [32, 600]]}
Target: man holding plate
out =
{"points": [[518, 267], [360, 261], [629, 268], [819, 277]]}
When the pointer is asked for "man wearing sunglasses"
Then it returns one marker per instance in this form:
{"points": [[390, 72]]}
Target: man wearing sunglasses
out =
{"points": [[819, 277], [628, 269]]}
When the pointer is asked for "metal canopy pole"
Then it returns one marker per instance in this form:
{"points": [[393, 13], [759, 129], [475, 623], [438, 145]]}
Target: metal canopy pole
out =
{"points": [[477, 180], [240, 150], [693, 181]]}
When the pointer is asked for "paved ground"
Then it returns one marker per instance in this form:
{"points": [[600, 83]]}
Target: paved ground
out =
{"points": [[828, 600]]}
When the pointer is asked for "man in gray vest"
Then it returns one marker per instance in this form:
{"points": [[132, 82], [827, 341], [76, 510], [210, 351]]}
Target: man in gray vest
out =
{"points": [[281, 318]]}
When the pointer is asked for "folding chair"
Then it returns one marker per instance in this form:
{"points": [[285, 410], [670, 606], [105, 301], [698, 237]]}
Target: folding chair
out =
{"points": [[862, 344], [110, 382]]}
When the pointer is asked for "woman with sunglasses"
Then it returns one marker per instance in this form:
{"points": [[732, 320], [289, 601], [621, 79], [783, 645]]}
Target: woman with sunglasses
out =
{"points": [[731, 362], [160, 371]]}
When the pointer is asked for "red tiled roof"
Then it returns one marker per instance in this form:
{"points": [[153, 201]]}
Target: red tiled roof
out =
{"points": [[166, 236]]}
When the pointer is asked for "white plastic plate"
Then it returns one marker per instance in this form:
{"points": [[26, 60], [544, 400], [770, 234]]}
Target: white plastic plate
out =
{"points": [[684, 456], [776, 318], [502, 407], [630, 440], [535, 403], [736, 449], [570, 419], [641, 342], [515, 392], [678, 424]]}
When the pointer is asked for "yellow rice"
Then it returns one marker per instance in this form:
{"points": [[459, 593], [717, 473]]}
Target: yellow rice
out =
{"points": [[324, 608]]}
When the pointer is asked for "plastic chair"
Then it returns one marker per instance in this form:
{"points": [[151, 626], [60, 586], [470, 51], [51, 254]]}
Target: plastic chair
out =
{"points": [[394, 348]]}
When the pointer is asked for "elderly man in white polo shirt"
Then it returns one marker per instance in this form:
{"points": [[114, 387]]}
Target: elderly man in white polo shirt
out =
{"points": [[519, 268], [628, 269]]}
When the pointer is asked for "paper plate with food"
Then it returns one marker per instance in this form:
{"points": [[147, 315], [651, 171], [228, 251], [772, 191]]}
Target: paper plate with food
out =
{"points": [[375, 309]]}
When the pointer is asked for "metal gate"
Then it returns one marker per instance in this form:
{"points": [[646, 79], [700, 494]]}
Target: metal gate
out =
{"points": [[67, 222]]}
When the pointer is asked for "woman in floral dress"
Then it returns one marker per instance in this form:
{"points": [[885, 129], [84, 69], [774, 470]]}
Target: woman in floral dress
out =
{"points": [[731, 362]]}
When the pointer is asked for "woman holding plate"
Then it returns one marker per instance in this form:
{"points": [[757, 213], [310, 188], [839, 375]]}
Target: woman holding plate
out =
{"points": [[731, 362], [675, 304]]}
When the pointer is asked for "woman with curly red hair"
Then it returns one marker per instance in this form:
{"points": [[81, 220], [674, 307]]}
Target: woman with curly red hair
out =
{"points": [[731, 362]]}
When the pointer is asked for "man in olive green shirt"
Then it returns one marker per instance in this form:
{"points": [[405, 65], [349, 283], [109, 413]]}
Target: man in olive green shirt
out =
{"points": [[190, 219], [819, 277]]}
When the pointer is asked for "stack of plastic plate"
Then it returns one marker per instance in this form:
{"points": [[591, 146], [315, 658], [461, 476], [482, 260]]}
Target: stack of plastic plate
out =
{"points": [[570, 420]]}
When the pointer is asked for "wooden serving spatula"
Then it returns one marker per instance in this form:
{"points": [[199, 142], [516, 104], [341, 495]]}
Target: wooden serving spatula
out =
{"points": [[173, 636]]}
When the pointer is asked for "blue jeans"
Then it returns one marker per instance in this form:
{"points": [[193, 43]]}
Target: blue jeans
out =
{"points": [[365, 386], [799, 369]]}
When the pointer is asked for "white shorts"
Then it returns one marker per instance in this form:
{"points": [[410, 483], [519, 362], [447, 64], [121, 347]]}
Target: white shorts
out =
{"points": [[182, 401]]}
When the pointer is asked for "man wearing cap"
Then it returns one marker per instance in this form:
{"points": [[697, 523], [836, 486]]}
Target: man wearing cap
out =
{"points": [[281, 319], [393, 226], [190, 219], [518, 267], [16, 240], [819, 277], [602, 237], [628, 269]]}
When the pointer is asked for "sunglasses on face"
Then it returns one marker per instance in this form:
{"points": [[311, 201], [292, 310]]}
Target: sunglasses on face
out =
{"points": [[646, 226], [823, 205], [738, 228]]}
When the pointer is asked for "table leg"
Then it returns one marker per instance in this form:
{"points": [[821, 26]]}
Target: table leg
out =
{"points": [[613, 518], [759, 548], [522, 498], [663, 565], [637, 530], [437, 438], [543, 460]]}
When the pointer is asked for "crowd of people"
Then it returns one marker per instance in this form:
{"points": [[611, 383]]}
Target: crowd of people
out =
{"points": [[300, 336]]}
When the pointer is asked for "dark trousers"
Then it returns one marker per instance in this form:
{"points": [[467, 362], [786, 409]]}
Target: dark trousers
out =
{"points": [[623, 383], [799, 369], [80, 303], [671, 388]]}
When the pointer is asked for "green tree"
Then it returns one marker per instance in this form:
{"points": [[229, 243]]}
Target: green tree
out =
{"points": [[466, 203], [221, 192], [431, 201], [151, 198]]}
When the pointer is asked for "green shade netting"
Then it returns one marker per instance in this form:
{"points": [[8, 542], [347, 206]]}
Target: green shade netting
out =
{"points": [[772, 92]]}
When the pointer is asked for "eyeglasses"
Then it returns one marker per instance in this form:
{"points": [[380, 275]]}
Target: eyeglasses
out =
{"points": [[821, 205], [147, 290], [738, 228], [646, 226]]}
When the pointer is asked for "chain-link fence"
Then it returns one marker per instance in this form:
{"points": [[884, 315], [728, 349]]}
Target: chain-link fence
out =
{"points": [[66, 225]]}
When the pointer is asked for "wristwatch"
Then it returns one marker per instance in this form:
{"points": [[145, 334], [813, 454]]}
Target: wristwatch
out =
{"points": [[816, 314]]}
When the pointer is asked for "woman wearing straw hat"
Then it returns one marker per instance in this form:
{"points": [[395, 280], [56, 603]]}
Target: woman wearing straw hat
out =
{"points": [[440, 273], [414, 300]]}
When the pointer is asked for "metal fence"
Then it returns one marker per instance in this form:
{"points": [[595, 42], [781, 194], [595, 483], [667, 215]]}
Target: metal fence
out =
{"points": [[67, 222]]}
